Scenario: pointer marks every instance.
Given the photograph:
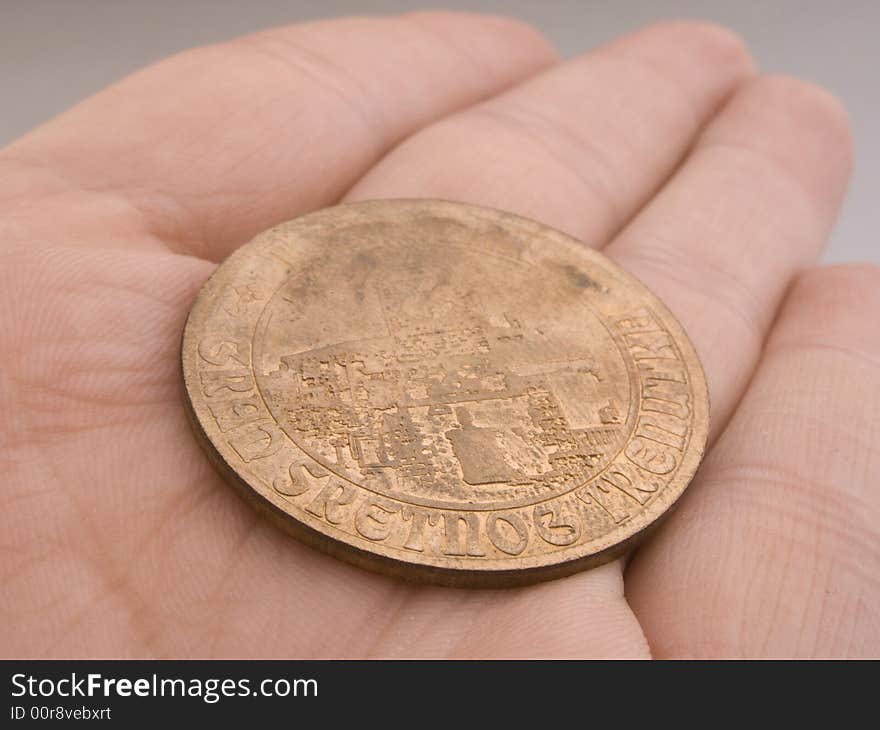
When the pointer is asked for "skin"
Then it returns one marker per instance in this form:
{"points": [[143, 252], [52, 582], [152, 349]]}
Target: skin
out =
{"points": [[713, 184]]}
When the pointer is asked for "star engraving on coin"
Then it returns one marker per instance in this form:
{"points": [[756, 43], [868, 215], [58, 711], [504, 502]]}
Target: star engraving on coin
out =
{"points": [[444, 392]]}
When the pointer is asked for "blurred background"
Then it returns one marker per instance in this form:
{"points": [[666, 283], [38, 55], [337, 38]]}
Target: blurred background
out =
{"points": [[55, 52]]}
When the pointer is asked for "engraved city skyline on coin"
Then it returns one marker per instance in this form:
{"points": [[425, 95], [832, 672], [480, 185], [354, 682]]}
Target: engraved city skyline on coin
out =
{"points": [[451, 402], [436, 390]]}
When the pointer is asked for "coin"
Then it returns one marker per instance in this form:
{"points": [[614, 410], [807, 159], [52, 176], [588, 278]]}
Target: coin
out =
{"points": [[443, 392]]}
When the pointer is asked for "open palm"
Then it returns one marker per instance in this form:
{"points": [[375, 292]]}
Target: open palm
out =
{"points": [[715, 186]]}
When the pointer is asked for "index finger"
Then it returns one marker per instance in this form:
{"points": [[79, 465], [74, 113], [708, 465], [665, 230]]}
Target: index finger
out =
{"points": [[209, 147]]}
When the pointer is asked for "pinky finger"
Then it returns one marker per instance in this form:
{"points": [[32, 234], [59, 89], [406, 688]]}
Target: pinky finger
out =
{"points": [[779, 555]]}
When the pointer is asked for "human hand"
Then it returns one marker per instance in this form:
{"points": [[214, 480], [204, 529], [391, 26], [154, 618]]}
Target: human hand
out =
{"points": [[714, 186]]}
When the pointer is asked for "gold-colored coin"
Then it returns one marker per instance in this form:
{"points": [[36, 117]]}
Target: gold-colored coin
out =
{"points": [[443, 392]]}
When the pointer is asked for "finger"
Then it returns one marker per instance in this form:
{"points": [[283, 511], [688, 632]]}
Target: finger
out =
{"points": [[752, 205], [776, 553], [720, 244], [211, 146], [582, 145]]}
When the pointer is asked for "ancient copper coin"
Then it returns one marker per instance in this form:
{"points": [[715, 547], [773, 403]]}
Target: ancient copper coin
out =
{"points": [[443, 392]]}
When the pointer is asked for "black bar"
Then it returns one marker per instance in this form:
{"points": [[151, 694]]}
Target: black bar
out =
{"points": [[292, 691]]}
